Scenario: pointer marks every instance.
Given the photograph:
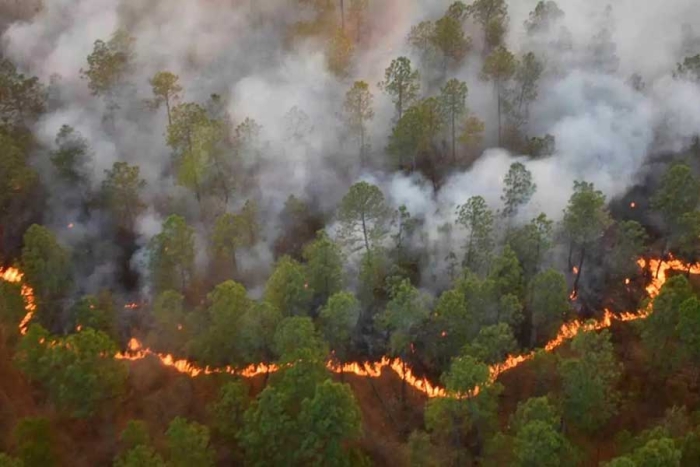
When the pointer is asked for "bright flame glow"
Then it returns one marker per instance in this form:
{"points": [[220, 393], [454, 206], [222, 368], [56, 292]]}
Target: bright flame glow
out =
{"points": [[15, 276], [136, 351]]}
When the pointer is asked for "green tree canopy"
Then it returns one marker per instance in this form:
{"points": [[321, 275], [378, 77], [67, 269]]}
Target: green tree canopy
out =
{"points": [[188, 444], [358, 113], [589, 381], [78, 371], [402, 83], [171, 255], [288, 288], [338, 322], [363, 215], [477, 218], [122, 191], [324, 267], [47, 268]]}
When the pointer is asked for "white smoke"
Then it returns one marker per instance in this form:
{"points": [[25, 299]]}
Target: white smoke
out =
{"points": [[604, 129]]}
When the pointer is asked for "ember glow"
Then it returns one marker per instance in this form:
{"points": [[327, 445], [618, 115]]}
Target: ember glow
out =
{"points": [[136, 351], [15, 276]]}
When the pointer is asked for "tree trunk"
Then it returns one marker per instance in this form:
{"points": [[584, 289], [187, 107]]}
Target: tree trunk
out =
{"points": [[364, 233], [362, 144], [454, 153], [167, 108], [498, 92], [580, 269], [571, 254]]}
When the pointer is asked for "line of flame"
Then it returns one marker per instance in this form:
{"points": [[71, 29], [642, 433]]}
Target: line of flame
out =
{"points": [[15, 276], [136, 351]]}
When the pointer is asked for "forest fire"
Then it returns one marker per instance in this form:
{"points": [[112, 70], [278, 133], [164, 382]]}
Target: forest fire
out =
{"points": [[136, 351], [15, 276]]}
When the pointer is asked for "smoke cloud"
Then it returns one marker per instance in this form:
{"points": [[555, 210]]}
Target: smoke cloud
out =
{"points": [[605, 129]]}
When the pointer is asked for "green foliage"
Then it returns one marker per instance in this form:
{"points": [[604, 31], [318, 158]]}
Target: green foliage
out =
{"points": [[218, 345], [402, 83], [688, 329], [677, 195], [11, 307], [135, 434], [194, 138], [96, 312], [527, 76], [466, 376], [531, 243], [589, 381], [329, 421], [288, 288], [453, 101], [483, 11], [324, 267], [339, 54], [302, 419], [457, 320], [363, 215], [548, 302], [689, 69], [258, 327], [338, 322], [405, 312], [171, 333], [535, 409], [47, 268], [517, 190], [656, 453], [171, 260], [18, 179], [469, 409], [417, 130], [421, 452], [109, 63], [71, 156], [493, 344], [166, 89], [7, 461], [586, 217], [228, 410], [450, 39], [35, 442], [659, 329], [297, 339], [140, 456], [500, 66], [121, 192], [477, 218], [539, 444], [188, 444], [630, 244], [78, 371], [543, 17], [21, 97], [358, 113]]}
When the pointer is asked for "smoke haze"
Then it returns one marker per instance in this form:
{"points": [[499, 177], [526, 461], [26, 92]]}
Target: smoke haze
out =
{"points": [[604, 129]]}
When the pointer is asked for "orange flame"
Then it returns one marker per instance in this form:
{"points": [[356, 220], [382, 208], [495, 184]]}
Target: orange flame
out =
{"points": [[15, 276], [633, 205], [136, 351]]}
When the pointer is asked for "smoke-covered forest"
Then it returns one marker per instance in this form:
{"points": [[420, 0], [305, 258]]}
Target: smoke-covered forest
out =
{"points": [[349, 233]]}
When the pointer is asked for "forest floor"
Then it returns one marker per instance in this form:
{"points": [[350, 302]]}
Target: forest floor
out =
{"points": [[157, 394]]}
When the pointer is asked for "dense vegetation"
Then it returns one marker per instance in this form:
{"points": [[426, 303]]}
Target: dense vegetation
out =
{"points": [[227, 280]]}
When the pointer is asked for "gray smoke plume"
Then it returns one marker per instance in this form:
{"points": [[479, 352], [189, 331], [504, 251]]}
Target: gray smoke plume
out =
{"points": [[604, 128]]}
